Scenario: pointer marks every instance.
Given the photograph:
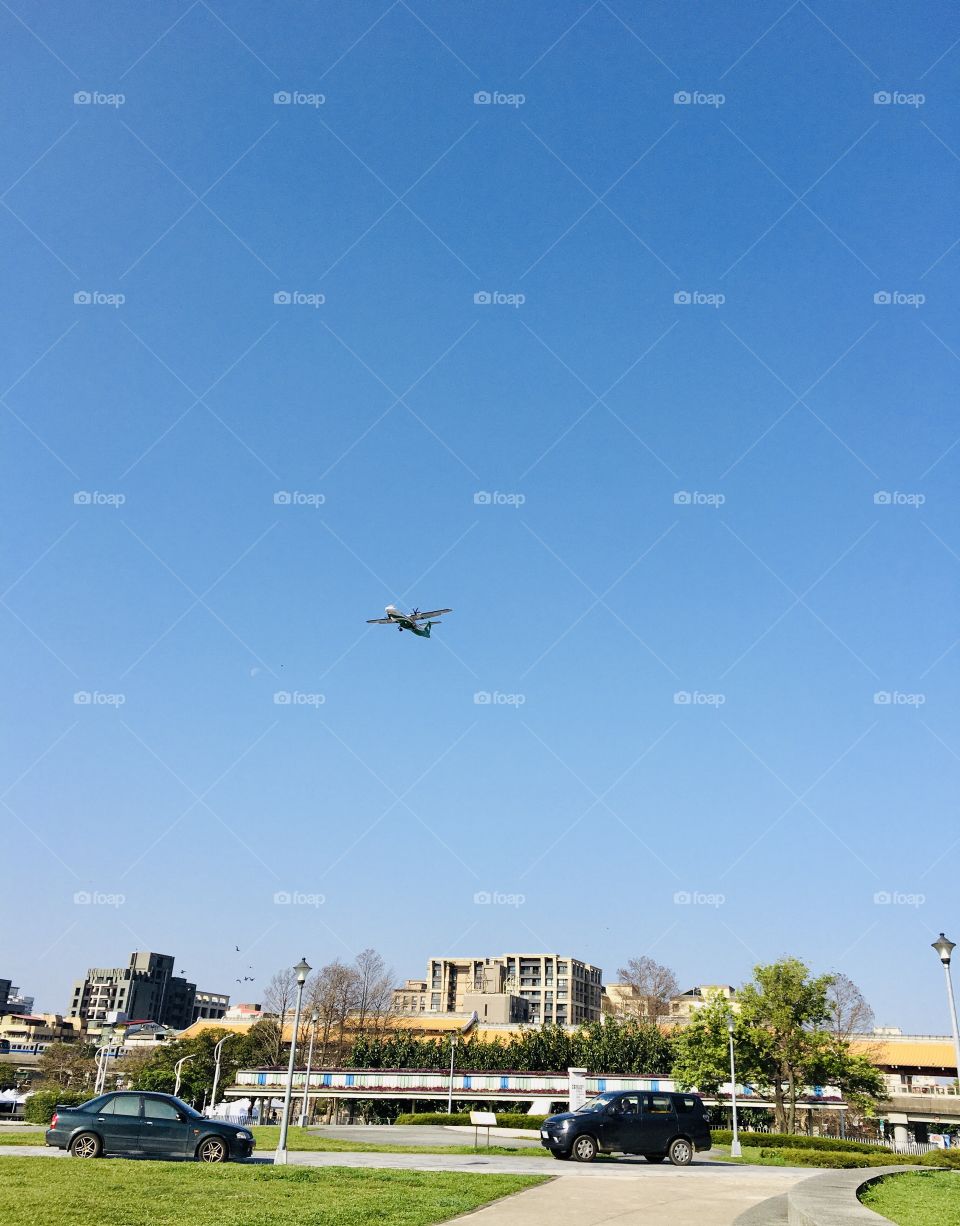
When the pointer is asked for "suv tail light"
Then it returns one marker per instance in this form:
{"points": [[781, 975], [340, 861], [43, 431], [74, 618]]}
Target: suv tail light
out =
{"points": [[53, 1120]]}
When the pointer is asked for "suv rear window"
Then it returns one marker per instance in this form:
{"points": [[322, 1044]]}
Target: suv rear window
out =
{"points": [[688, 1103]]}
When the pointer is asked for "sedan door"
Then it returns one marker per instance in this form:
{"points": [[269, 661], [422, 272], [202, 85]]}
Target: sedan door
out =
{"points": [[163, 1132], [118, 1122]]}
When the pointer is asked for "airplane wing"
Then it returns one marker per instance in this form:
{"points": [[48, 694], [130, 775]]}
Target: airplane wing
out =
{"points": [[379, 621], [432, 613]]}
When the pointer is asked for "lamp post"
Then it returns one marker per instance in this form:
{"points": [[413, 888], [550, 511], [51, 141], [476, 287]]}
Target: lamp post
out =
{"points": [[945, 948], [176, 1068], [314, 1018], [100, 1082], [302, 971], [216, 1070], [735, 1150]]}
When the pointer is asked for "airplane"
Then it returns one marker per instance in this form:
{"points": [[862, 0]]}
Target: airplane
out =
{"points": [[408, 621]]}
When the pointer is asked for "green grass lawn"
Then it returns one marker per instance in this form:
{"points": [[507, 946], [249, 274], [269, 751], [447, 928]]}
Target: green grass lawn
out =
{"points": [[114, 1192], [22, 1136], [928, 1199]]}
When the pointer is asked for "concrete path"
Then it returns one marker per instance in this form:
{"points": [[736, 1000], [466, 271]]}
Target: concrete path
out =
{"points": [[420, 1134]]}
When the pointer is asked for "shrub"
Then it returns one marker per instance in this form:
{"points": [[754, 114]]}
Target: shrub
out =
{"points": [[837, 1159], [505, 1119], [40, 1105], [784, 1140], [942, 1157]]}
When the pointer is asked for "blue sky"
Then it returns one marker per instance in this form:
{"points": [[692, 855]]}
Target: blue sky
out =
{"points": [[684, 451]]}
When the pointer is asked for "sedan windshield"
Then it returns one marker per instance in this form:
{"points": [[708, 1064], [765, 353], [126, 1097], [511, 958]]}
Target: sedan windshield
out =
{"points": [[596, 1104], [186, 1108]]}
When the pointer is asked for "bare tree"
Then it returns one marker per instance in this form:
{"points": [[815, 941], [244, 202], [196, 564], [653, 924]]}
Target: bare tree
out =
{"points": [[280, 994], [332, 997], [652, 987], [849, 1011], [374, 987]]}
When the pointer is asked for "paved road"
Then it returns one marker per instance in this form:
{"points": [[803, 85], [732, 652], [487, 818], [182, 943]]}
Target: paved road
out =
{"points": [[418, 1134]]}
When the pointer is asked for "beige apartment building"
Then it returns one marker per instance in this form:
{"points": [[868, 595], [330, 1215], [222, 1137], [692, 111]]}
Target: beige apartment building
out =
{"points": [[513, 987]]}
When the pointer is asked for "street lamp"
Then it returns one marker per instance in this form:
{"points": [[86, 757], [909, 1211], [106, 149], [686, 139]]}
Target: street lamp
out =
{"points": [[100, 1082], [735, 1150], [302, 970], [945, 948], [176, 1068], [314, 1018], [216, 1070]]}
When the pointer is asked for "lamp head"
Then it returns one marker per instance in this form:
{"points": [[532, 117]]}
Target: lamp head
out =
{"points": [[303, 969], [944, 948]]}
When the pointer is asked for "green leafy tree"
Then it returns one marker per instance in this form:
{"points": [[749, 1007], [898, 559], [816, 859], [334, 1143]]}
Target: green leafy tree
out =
{"points": [[196, 1075], [68, 1064]]}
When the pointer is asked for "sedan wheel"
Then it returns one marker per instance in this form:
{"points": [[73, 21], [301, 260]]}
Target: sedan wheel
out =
{"points": [[584, 1149], [86, 1145], [212, 1150], [680, 1152]]}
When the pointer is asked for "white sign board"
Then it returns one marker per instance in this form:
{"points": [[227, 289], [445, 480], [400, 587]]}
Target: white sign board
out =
{"points": [[483, 1119], [578, 1087]]}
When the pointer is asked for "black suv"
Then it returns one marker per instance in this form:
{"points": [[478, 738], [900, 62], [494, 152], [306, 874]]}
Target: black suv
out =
{"points": [[157, 1125], [653, 1124]]}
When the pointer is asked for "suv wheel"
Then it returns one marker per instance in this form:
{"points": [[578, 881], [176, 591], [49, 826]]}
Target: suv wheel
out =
{"points": [[86, 1145], [654, 1157], [680, 1152], [584, 1149]]}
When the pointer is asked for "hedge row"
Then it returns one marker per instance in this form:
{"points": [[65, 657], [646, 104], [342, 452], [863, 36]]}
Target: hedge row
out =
{"points": [[785, 1140], [40, 1104], [505, 1119]]}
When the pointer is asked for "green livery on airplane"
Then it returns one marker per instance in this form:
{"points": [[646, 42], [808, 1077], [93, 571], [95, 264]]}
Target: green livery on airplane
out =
{"points": [[409, 621]]}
